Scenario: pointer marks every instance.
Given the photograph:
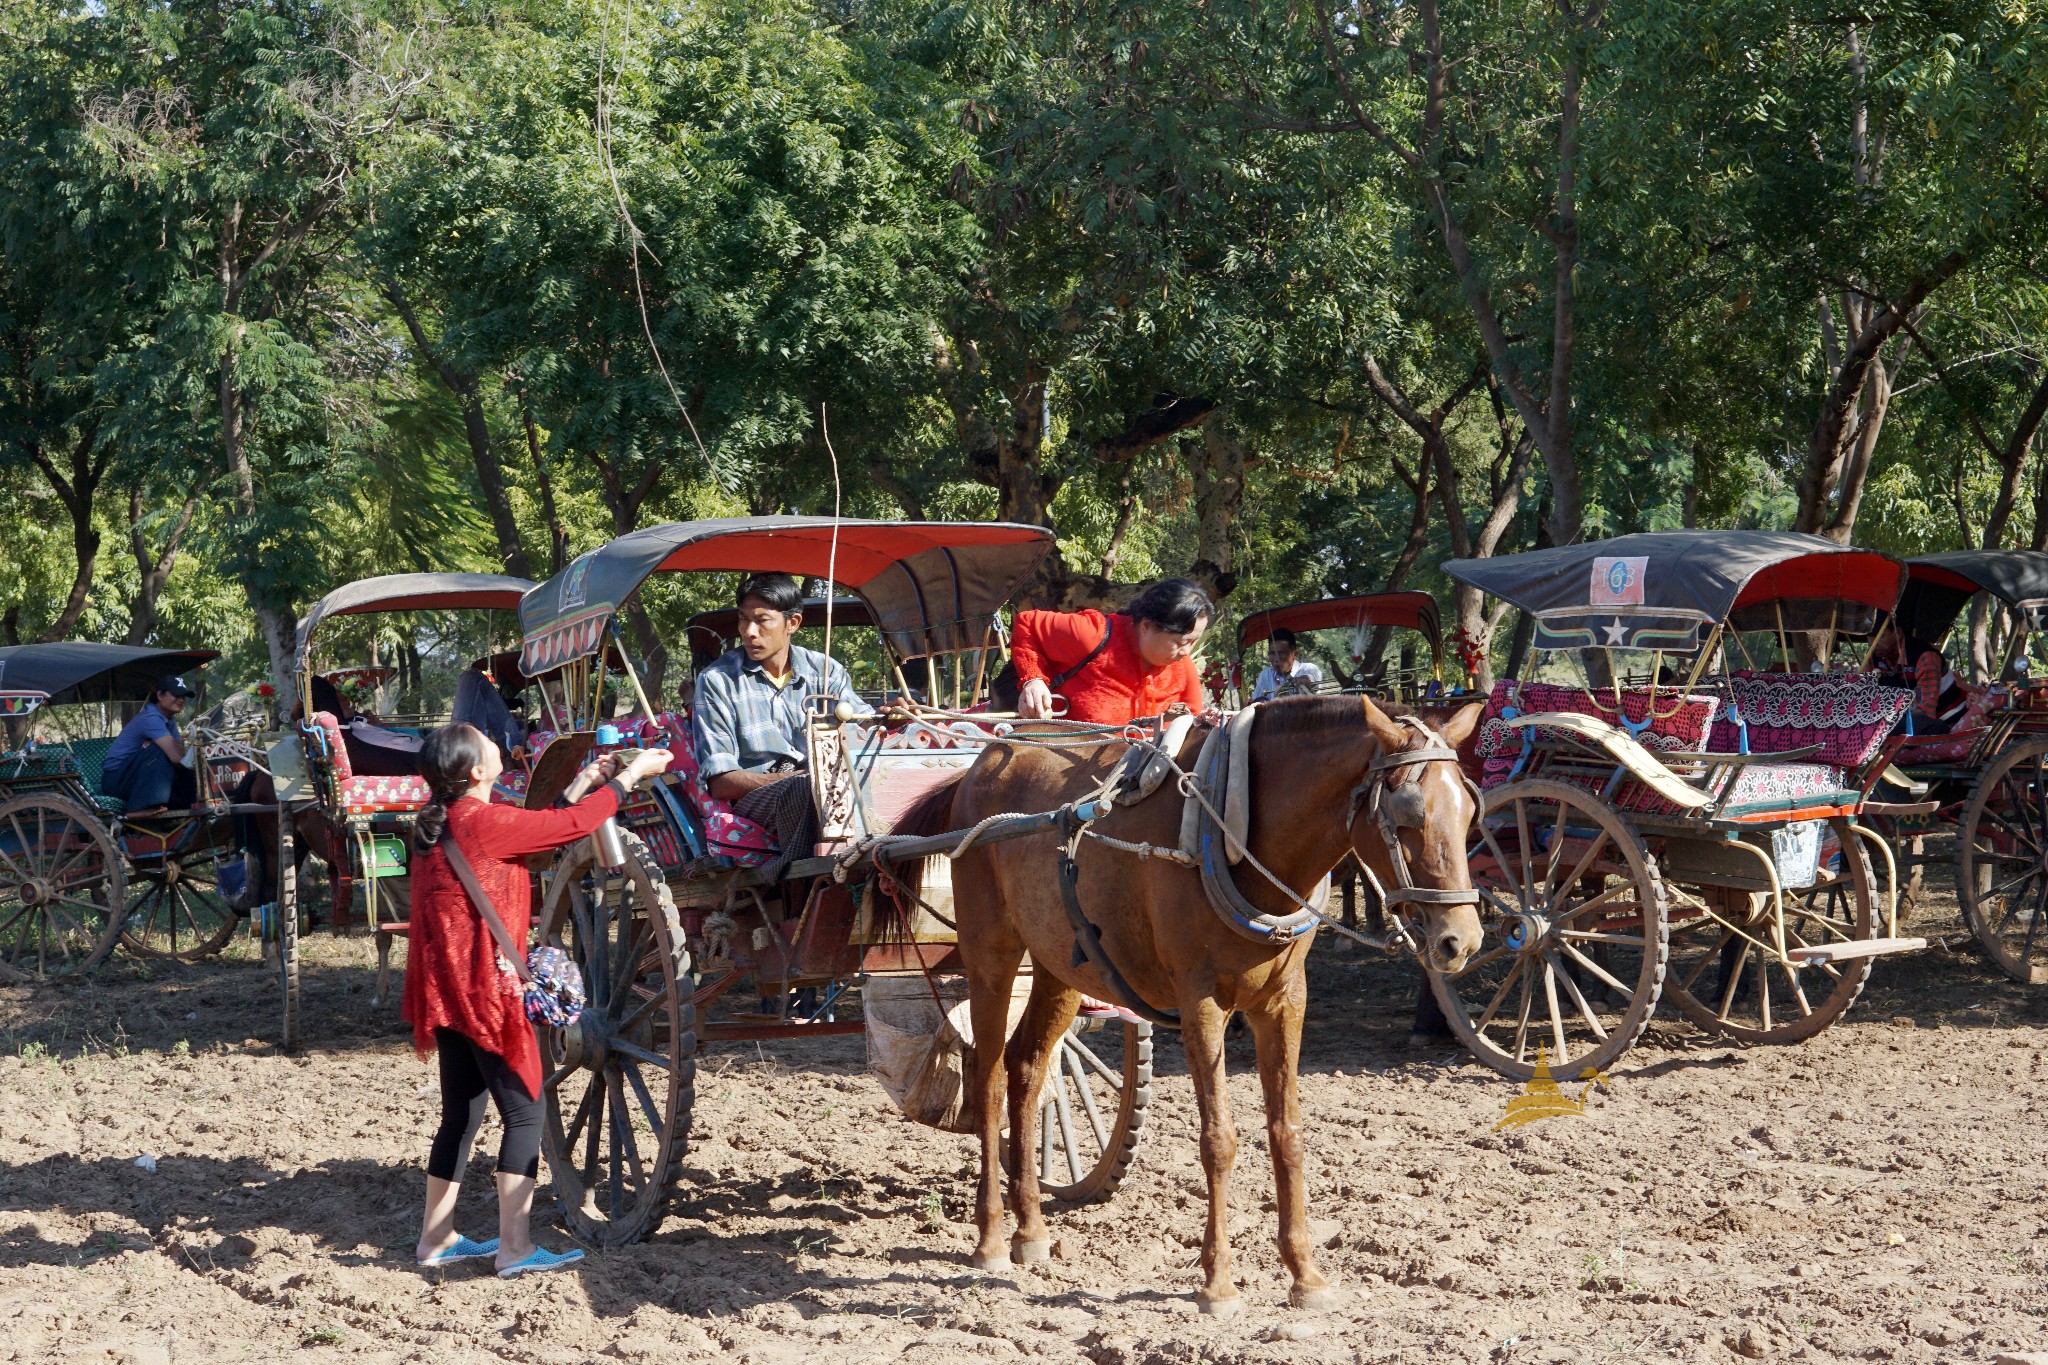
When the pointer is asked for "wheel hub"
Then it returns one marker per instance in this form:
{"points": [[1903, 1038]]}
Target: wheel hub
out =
{"points": [[34, 891], [584, 1043]]}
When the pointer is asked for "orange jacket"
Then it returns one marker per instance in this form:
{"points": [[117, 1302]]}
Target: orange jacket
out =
{"points": [[1117, 686]]}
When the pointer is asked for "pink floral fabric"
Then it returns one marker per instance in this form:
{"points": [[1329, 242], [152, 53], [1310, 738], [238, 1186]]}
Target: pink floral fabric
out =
{"points": [[1780, 783], [1969, 727], [1848, 716], [1678, 725]]}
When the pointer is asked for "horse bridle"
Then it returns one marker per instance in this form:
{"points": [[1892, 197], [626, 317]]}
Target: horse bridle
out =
{"points": [[1366, 799]]}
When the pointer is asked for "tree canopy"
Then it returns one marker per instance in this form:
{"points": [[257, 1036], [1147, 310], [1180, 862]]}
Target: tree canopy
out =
{"points": [[1293, 299]]}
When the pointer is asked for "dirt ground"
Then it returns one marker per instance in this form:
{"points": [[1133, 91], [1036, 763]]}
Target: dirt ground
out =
{"points": [[1875, 1194]]}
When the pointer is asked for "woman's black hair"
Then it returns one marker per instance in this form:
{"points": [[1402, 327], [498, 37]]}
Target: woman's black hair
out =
{"points": [[774, 590], [446, 760], [1172, 604]]}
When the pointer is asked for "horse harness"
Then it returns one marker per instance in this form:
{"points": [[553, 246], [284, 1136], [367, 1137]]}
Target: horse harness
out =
{"points": [[1213, 847]]}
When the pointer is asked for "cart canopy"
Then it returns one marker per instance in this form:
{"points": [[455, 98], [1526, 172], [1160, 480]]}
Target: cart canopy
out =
{"points": [[1659, 589], [1938, 587], [933, 587], [711, 633], [81, 671], [413, 592], [1415, 610]]}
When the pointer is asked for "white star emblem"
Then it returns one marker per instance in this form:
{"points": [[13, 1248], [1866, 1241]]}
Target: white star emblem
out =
{"points": [[1616, 634]]}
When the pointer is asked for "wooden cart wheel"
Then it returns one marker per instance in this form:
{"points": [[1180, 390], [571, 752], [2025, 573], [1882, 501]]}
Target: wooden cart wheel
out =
{"points": [[1092, 1108], [620, 1080], [179, 911], [2002, 861], [1575, 943], [1728, 985], [62, 889], [281, 929]]}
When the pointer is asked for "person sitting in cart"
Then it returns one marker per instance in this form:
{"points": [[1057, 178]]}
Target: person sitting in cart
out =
{"points": [[1114, 669], [1938, 695], [148, 766], [1286, 672], [748, 721]]}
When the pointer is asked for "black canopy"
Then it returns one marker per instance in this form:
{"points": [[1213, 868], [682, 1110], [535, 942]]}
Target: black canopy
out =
{"points": [[1656, 590], [80, 671], [934, 587], [1939, 586]]}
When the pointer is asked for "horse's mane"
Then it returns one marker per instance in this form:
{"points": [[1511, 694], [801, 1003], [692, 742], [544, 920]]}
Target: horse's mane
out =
{"points": [[1307, 715]]}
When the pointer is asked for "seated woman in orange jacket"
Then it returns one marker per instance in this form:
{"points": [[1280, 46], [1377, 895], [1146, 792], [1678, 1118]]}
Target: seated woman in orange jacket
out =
{"points": [[1114, 669]]}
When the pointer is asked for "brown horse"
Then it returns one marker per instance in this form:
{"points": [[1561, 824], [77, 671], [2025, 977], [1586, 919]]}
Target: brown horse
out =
{"points": [[312, 832], [1309, 757]]}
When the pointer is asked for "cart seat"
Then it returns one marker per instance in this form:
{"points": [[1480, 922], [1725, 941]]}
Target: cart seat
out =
{"points": [[1677, 725], [1848, 715], [732, 837], [368, 795], [1787, 791], [1957, 744], [57, 765]]}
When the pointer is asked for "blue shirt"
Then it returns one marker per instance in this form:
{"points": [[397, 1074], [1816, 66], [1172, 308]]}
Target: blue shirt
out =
{"points": [[149, 726], [743, 720]]}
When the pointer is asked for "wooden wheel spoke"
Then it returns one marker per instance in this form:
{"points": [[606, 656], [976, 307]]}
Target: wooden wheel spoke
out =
{"points": [[1526, 878], [1585, 1011], [1522, 1020], [645, 1096], [1733, 978], [1073, 1065], [1094, 1063], [624, 1141], [1550, 1002], [638, 1053], [1604, 898], [1501, 995], [1607, 978], [1506, 868], [1477, 962]]}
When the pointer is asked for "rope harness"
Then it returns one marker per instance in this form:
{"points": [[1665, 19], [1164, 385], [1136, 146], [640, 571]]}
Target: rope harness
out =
{"points": [[1214, 844]]}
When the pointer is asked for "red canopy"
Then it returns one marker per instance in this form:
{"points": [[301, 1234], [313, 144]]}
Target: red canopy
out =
{"points": [[1415, 610]]}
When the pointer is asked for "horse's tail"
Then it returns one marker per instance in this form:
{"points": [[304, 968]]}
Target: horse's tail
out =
{"points": [[930, 814]]}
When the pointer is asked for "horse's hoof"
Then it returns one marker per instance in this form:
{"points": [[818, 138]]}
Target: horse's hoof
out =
{"points": [[1030, 1253], [1220, 1305], [1418, 1040], [997, 1261], [1317, 1299]]}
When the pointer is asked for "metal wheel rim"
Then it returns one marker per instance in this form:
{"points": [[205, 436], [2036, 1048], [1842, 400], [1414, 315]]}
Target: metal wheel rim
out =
{"points": [[2002, 862], [185, 918], [62, 889], [1576, 994], [1729, 987], [618, 1086], [1091, 1109]]}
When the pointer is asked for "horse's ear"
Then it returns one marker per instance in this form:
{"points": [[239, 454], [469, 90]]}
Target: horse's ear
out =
{"points": [[1392, 737], [1459, 727]]}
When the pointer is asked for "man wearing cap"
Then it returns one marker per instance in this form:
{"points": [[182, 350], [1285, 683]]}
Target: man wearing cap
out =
{"points": [[148, 766]]}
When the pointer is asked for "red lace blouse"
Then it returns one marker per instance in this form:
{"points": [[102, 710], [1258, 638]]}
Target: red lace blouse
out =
{"points": [[453, 976]]}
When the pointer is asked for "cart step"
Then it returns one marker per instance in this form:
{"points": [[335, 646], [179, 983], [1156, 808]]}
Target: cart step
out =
{"points": [[1821, 954]]}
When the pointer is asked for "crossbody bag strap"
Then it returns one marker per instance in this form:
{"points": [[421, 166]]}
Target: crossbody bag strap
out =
{"points": [[465, 874], [1061, 680]]}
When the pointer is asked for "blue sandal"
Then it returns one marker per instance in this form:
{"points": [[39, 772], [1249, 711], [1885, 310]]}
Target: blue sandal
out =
{"points": [[463, 1250], [541, 1262]]}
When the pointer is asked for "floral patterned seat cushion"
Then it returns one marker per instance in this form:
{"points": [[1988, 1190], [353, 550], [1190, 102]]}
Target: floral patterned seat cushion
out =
{"points": [[1676, 725], [1769, 785], [1969, 727], [1848, 716], [730, 836], [371, 795]]}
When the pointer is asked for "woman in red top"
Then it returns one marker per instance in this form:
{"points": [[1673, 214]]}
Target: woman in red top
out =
{"points": [[1145, 668], [463, 999]]}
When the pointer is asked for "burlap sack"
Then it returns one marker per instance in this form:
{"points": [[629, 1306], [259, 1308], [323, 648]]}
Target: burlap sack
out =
{"points": [[919, 1050]]}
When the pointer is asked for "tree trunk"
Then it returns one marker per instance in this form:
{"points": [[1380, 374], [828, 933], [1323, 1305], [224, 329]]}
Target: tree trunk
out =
{"points": [[1829, 501], [152, 568], [558, 534], [490, 477], [79, 492], [625, 502]]}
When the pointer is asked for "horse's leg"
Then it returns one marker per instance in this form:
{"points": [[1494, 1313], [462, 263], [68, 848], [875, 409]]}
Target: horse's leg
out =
{"points": [[990, 952], [1276, 1029], [1201, 1036], [1047, 1016]]}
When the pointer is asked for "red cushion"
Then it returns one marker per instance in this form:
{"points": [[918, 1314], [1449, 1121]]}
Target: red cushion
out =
{"points": [[367, 795], [1848, 716], [337, 752]]}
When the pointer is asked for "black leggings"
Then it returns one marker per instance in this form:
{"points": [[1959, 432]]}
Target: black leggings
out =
{"points": [[468, 1073]]}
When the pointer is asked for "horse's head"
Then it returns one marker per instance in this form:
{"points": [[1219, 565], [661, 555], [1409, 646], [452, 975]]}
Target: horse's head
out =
{"points": [[1411, 814]]}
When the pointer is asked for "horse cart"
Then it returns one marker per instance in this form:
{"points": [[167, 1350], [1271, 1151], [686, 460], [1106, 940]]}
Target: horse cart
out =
{"points": [[1988, 771], [347, 787], [78, 873], [1699, 835], [1360, 616], [700, 931]]}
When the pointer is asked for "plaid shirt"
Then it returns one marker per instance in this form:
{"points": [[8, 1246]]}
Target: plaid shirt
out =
{"points": [[742, 720], [1928, 671]]}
